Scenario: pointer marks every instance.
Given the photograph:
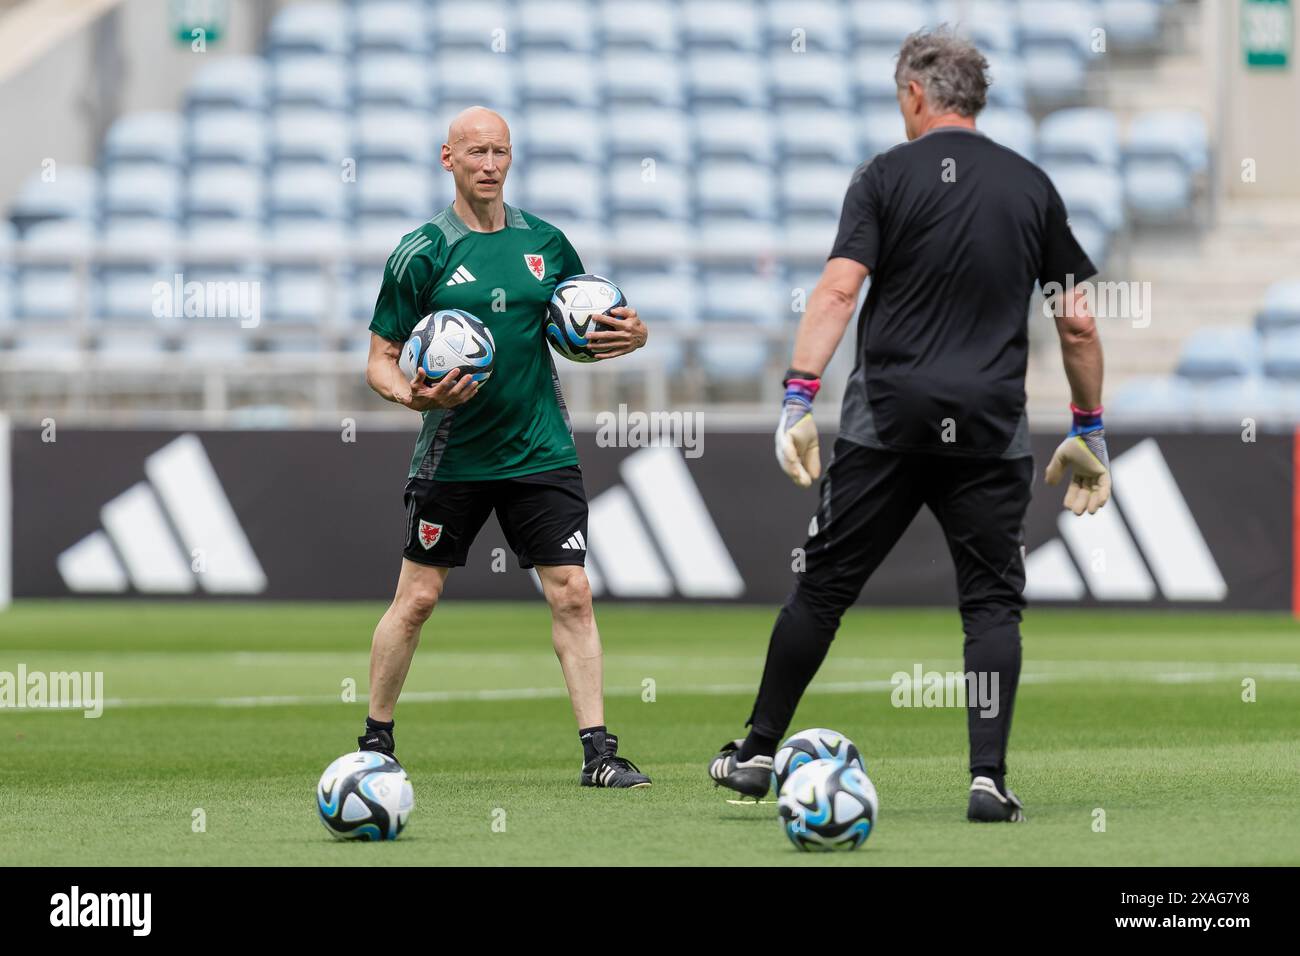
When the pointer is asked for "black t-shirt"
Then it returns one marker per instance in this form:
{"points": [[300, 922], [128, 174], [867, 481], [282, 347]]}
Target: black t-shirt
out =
{"points": [[955, 230]]}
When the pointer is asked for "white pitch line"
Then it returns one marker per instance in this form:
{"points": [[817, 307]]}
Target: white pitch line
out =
{"points": [[1209, 672]]}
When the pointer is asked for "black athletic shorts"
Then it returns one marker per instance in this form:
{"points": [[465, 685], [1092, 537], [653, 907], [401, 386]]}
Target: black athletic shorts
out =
{"points": [[543, 515]]}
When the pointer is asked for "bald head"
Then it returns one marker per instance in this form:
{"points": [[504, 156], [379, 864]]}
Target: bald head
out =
{"points": [[477, 154]]}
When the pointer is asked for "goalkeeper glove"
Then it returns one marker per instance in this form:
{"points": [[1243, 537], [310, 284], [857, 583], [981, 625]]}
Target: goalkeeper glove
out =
{"points": [[797, 449], [1084, 450]]}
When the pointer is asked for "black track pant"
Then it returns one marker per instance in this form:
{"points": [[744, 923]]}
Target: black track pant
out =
{"points": [[868, 498]]}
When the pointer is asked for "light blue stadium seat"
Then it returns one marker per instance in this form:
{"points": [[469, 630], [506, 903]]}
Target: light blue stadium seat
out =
{"points": [[820, 25], [139, 254], [640, 25], [235, 137], [396, 136], [319, 82], [564, 189], [885, 24], [1131, 24], [661, 297], [1012, 128], [559, 79], [310, 28], [229, 83], [1093, 236], [1281, 355], [393, 26], [718, 25], [818, 136], [882, 129], [61, 191], [726, 79], [814, 189], [130, 347], [564, 26], [379, 235], [8, 237], [400, 81], [48, 289], [224, 193], [222, 252], [1060, 24], [466, 79], [659, 134], [395, 190], [141, 190], [734, 134], [311, 292], [741, 296], [1159, 400], [155, 137], [1171, 135], [1157, 190], [989, 24], [1083, 135], [561, 134], [306, 191], [631, 191], [1281, 309], [734, 188], [1053, 75], [645, 235], [1089, 189], [1006, 81], [307, 135], [737, 234], [811, 234], [1216, 352], [808, 80], [214, 340], [642, 79], [470, 24], [1225, 403], [873, 78], [363, 292]]}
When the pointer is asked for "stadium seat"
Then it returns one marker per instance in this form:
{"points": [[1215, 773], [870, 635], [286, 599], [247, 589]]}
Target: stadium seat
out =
{"points": [[1157, 190], [128, 347], [558, 79], [1131, 24], [1225, 403], [306, 191], [811, 235], [820, 26], [884, 25], [658, 134], [229, 83], [224, 193], [1215, 352], [562, 26], [59, 191], [882, 129], [989, 24], [1084, 135], [641, 79], [310, 28], [1057, 24], [649, 236], [363, 291], [48, 288], [152, 192], [814, 189], [1012, 128], [736, 189], [873, 79], [734, 134], [1052, 75], [564, 190], [465, 79], [737, 235], [1006, 81], [558, 134], [141, 253], [306, 135], [401, 81], [1281, 309], [640, 25], [393, 26], [320, 82], [155, 137], [723, 79], [722, 25], [1153, 400], [397, 191], [396, 136], [472, 25], [1281, 355], [215, 339], [1089, 190], [632, 190], [228, 137], [808, 80], [1169, 135], [827, 136]]}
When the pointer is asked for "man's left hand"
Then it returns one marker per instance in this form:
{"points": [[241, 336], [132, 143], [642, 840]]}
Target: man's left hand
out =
{"points": [[623, 332]]}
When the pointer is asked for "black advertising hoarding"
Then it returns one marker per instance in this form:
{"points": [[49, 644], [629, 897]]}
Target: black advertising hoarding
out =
{"points": [[1199, 521]]}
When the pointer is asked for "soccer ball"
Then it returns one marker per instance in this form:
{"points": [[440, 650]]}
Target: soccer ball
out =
{"points": [[828, 805], [448, 339], [364, 796], [572, 314], [809, 745]]}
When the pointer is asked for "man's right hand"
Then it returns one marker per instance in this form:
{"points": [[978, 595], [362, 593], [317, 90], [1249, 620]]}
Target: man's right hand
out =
{"points": [[451, 390]]}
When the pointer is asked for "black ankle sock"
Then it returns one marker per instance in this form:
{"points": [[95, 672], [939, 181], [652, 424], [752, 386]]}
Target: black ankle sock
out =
{"points": [[372, 725], [588, 737], [757, 745]]}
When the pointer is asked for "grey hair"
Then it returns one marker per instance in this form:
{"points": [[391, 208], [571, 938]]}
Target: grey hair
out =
{"points": [[953, 73]]}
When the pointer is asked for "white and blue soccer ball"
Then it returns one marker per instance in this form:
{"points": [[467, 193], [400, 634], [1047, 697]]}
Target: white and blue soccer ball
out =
{"points": [[817, 743], [364, 796], [448, 339], [828, 805], [574, 310]]}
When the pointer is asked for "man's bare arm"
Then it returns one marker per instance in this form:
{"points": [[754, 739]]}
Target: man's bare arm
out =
{"points": [[1080, 351], [386, 378], [830, 309]]}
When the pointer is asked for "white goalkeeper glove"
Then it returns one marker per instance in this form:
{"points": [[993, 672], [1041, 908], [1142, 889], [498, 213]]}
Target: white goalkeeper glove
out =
{"points": [[797, 449], [1084, 450]]}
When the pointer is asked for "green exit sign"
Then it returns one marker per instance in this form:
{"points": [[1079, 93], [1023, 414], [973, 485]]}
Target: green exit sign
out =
{"points": [[204, 20], [1266, 31]]}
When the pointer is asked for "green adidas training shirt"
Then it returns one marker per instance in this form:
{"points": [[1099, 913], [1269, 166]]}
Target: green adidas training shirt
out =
{"points": [[517, 424]]}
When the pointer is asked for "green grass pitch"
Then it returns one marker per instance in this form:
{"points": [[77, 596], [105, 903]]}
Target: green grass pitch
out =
{"points": [[235, 710]]}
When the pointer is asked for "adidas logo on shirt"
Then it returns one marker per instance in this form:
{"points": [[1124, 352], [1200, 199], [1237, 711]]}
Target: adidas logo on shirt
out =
{"points": [[460, 275], [575, 543]]}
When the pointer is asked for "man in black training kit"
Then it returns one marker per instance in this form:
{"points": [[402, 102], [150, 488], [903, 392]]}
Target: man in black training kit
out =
{"points": [[954, 230]]}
